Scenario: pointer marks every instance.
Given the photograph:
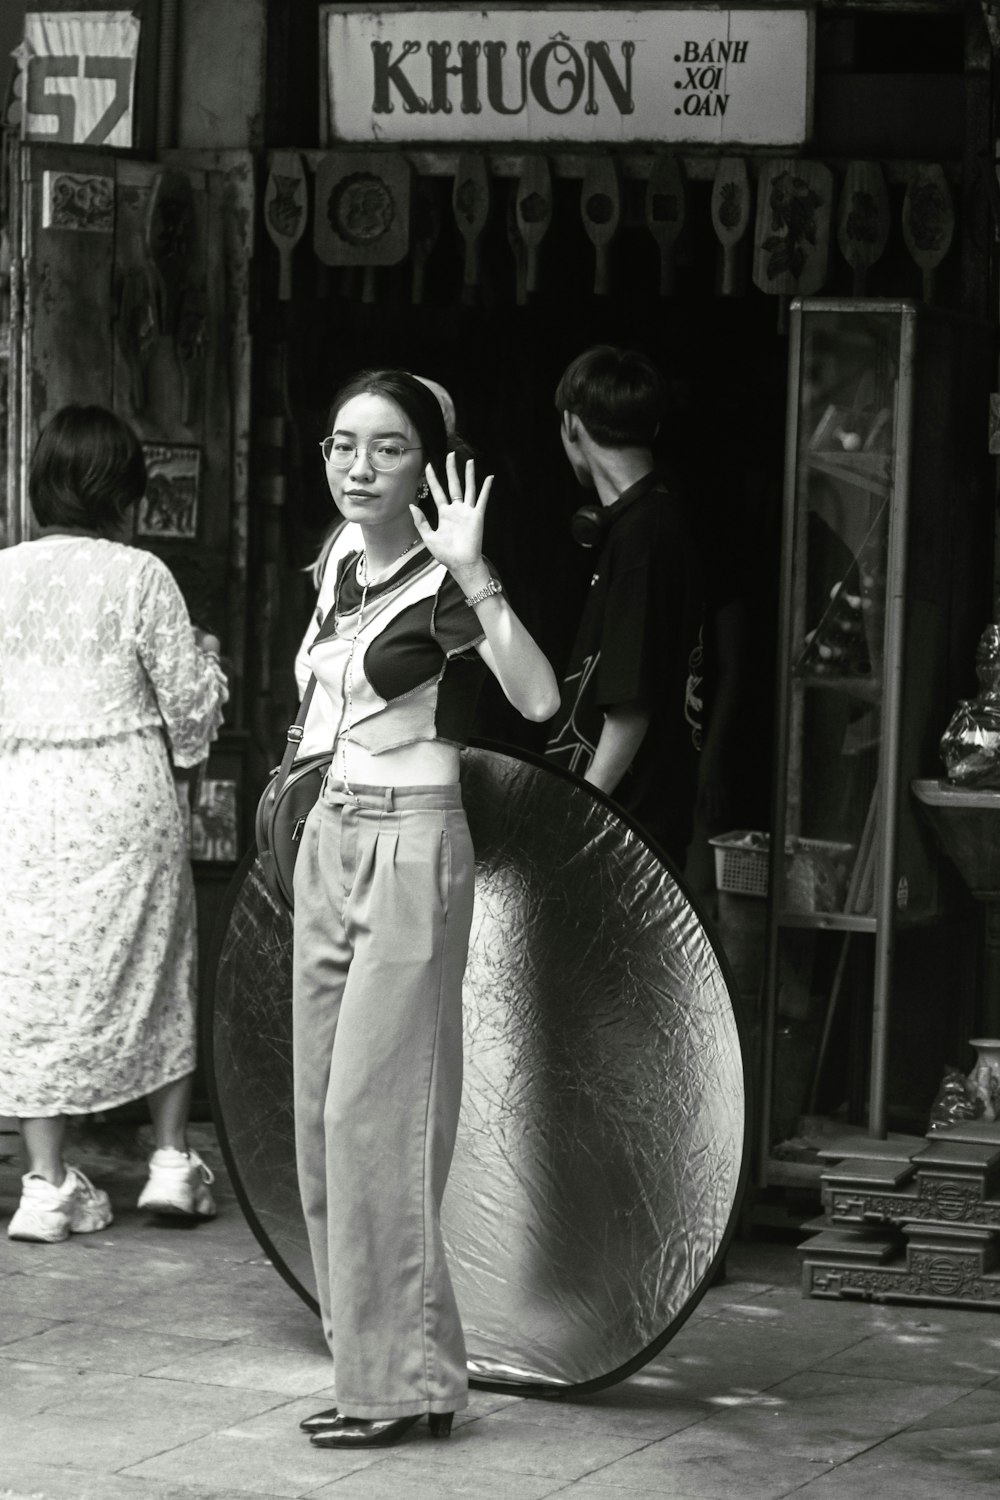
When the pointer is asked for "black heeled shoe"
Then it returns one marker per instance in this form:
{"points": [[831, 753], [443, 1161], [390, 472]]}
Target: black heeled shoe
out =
{"points": [[320, 1420], [366, 1432]]}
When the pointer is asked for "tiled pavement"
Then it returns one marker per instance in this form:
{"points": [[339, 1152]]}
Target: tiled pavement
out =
{"points": [[158, 1363]]}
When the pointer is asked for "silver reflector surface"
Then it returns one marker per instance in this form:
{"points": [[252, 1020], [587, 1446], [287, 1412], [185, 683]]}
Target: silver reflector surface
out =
{"points": [[601, 1149]]}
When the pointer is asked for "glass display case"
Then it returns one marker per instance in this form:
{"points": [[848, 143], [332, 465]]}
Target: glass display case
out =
{"points": [[885, 584]]}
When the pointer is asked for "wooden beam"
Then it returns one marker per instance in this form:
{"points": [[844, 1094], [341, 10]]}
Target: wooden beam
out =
{"points": [[508, 163]]}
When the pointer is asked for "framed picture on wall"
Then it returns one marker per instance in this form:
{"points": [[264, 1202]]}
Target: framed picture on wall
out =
{"points": [[215, 822], [219, 807], [169, 508]]}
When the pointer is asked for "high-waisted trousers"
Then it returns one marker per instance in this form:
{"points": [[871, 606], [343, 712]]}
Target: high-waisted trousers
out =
{"points": [[384, 884]]}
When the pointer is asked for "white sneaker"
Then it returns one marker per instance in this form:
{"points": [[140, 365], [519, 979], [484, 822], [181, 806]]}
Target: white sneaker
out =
{"points": [[178, 1183], [50, 1214]]}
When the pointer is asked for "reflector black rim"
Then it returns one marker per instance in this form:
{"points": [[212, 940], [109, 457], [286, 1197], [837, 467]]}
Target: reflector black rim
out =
{"points": [[538, 1390]]}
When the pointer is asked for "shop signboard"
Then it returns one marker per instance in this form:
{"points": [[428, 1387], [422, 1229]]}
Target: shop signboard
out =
{"points": [[76, 79], [705, 75]]}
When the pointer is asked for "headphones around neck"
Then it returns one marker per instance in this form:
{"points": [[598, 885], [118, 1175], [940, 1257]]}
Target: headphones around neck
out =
{"points": [[591, 523]]}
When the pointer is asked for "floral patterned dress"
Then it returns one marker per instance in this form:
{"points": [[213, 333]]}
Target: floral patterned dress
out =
{"points": [[99, 675]]}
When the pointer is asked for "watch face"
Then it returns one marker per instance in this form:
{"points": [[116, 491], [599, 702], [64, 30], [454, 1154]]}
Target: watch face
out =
{"points": [[599, 1163]]}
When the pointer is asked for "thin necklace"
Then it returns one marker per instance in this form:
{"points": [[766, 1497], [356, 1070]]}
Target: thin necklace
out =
{"points": [[365, 581], [345, 734], [363, 576]]}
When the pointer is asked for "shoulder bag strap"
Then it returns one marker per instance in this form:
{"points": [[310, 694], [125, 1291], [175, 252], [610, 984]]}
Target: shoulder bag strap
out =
{"points": [[294, 736]]}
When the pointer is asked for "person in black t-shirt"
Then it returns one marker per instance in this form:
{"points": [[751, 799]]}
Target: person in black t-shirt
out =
{"points": [[629, 719]]}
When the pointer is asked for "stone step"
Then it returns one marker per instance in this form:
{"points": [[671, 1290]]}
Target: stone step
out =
{"points": [[953, 1265], [951, 1176]]}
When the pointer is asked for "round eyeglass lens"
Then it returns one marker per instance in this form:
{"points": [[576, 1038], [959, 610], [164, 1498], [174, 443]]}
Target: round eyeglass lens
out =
{"points": [[382, 455]]}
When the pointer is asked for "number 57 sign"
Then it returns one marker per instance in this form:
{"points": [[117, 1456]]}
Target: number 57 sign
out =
{"points": [[77, 79]]}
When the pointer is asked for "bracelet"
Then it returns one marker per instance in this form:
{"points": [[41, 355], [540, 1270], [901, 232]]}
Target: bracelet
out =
{"points": [[493, 587]]}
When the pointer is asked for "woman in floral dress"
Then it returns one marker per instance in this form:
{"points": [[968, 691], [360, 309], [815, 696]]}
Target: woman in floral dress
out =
{"points": [[105, 686]]}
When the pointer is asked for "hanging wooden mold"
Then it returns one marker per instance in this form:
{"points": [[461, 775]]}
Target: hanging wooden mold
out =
{"points": [[731, 200], [533, 210], [426, 230], [285, 212], [362, 214], [928, 222], [665, 212], [517, 247], [470, 201], [792, 230], [863, 220], [600, 207], [170, 241]]}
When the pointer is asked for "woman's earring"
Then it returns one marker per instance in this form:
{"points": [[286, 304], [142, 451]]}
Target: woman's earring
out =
{"points": [[423, 490]]}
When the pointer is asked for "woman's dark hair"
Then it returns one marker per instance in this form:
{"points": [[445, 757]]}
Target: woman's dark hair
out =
{"points": [[419, 404], [618, 394], [87, 469]]}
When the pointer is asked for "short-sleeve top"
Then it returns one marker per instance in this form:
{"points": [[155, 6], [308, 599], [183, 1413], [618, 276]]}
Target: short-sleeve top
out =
{"points": [[415, 673], [640, 641]]}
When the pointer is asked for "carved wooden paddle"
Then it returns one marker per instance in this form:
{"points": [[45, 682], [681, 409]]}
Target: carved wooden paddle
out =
{"points": [[533, 208], [928, 222], [285, 212], [665, 210], [792, 230], [600, 207], [863, 219], [731, 200], [517, 248], [470, 201], [426, 228]]}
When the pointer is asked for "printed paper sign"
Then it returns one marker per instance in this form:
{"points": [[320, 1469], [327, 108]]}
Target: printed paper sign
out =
{"points": [[169, 508], [80, 201], [608, 74], [77, 78], [214, 825]]}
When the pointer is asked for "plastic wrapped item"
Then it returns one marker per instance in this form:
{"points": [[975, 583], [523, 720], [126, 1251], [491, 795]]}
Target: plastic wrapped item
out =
{"points": [[955, 1100], [984, 1080], [970, 746], [988, 661]]}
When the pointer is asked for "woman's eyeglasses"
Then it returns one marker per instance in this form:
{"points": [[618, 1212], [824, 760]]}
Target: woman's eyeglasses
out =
{"points": [[383, 454]]}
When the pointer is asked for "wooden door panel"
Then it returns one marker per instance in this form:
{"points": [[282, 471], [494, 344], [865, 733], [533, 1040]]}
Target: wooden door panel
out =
{"points": [[69, 207]]}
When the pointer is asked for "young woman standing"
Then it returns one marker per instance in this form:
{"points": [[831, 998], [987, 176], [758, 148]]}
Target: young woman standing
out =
{"points": [[383, 905]]}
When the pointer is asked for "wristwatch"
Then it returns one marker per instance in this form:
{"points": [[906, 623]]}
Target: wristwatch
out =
{"points": [[493, 587]]}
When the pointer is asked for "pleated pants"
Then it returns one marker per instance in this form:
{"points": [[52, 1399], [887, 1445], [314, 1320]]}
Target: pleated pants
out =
{"points": [[384, 885]]}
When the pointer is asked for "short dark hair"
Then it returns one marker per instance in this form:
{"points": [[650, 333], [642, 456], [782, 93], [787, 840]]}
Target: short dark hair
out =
{"points": [[618, 394], [418, 403], [87, 469]]}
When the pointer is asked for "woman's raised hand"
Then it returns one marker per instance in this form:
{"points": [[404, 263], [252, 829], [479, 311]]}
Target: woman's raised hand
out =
{"points": [[458, 540]]}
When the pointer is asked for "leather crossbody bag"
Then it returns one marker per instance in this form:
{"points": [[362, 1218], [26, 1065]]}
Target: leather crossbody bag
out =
{"points": [[284, 805]]}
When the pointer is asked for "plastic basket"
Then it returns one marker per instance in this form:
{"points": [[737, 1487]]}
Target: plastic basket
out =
{"points": [[816, 870], [741, 862]]}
